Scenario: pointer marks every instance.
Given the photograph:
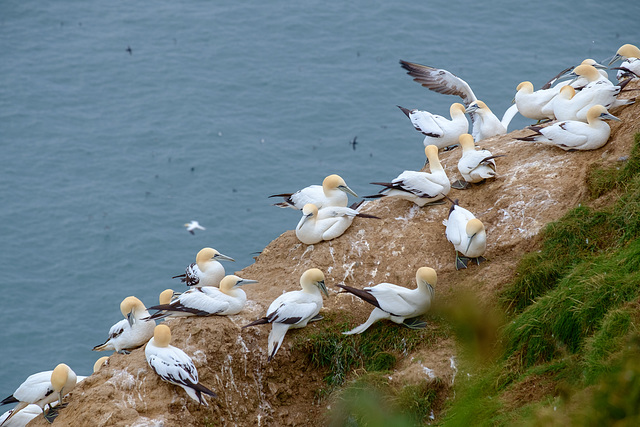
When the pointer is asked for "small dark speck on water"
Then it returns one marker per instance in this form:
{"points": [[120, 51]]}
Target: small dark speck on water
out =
{"points": [[234, 190]]}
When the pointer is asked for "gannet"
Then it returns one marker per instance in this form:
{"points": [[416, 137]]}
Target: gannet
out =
{"points": [[419, 187], [333, 192], [327, 223], [206, 271], [438, 130], [467, 234], [294, 309], [397, 303], [42, 389], [174, 365], [485, 123], [578, 82], [531, 104], [575, 135], [131, 332], [21, 418], [226, 300], [193, 225], [561, 102], [167, 296], [103, 361], [630, 67], [475, 165]]}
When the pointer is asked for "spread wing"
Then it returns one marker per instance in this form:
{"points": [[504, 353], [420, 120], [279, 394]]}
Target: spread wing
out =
{"points": [[439, 80]]}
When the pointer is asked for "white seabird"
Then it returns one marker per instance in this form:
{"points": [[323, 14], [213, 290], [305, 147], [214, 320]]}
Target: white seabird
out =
{"points": [[193, 225], [131, 332], [225, 300], [630, 67], [397, 303], [467, 234], [206, 271], [418, 187], [327, 223], [531, 104], [438, 130], [42, 389], [578, 82], [103, 361], [294, 309], [475, 165], [333, 192], [21, 418], [173, 365], [485, 123], [576, 135]]}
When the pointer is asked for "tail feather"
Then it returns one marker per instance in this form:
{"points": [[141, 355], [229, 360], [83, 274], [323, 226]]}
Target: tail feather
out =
{"points": [[8, 400], [281, 195], [260, 321], [406, 111], [364, 215], [363, 295], [374, 196], [182, 276]]}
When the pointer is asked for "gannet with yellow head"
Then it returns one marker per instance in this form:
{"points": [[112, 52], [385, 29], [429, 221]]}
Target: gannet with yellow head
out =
{"points": [[397, 303], [630, 67], [420, 188], [438, 130], [207, 270], [225, 300], [131, 332], [531, 103], [485, 123], [333, 192], [573, 135], [327, 223], [42, 389], [173, 365], [468, 235], [475, 165], [294, 309]]}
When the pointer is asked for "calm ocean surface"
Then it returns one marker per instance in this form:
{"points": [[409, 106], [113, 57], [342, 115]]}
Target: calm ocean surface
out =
{"points": [[105, 154]]}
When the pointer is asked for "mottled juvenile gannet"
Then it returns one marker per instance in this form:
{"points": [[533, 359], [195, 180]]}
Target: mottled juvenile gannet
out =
{"points": [[438, 130], [630, 67], [42, 389], [174, 365], [333, 192], [193, 225], [418, 187], [294, 309], [576, 135], [485, 123], [475, 165], [531, 104], [327, 223], [206, 271], [467, 234], [226, 300], [397, 303], [131, 332]]}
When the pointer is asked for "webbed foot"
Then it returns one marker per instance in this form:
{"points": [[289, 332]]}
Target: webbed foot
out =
{"points": [[460, 185], [415, 323], [316, 318], [461, 262]]}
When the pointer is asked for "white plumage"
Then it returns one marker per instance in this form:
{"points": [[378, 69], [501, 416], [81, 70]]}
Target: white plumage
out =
{"points": [[531, 104], [226, 300], [207, 270], [332, 192], [173, 365], [419, 187], [467, 234], [576, 135], [327, 223], [193, 225], [439, 130], [630, 67], [293, 309], [397, 303], [475, 165], [21, 418], [131, 332]]}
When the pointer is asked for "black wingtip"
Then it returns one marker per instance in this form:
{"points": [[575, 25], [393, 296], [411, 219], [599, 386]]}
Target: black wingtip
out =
{"points": [[406, 111]]}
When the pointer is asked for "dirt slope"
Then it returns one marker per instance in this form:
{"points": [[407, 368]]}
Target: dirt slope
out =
{"points": [[536, 184]]}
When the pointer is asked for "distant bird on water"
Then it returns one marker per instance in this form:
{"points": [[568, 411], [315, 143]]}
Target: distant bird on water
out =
{"points": [[129, 50], [353, 143], [193, 225]]}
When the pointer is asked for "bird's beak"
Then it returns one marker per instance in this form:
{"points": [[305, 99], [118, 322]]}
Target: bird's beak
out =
{"points": [[346, 189], [470, 240], [221, 257], [609, 116], [305, 218], [600, 66], [130, 318], [323, 288], [244, 282], [615, 58], [471, 108]]}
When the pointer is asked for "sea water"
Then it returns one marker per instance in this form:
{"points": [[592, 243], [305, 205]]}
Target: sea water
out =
{"points": [[120, 121]]}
